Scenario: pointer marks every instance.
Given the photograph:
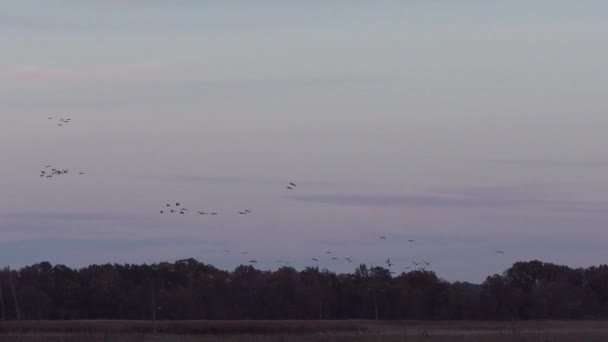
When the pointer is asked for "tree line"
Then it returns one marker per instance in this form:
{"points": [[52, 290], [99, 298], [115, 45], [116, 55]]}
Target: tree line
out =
{"points": [[189, 289]]}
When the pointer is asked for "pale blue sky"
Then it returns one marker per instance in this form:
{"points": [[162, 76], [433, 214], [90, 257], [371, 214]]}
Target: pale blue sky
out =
{"points": [[468, 126]]}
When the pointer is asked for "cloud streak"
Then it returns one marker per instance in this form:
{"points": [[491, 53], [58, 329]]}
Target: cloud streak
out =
{"points": [[474, 197]]}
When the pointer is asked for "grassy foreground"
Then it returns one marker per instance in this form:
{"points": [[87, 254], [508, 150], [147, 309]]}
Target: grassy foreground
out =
{"points": [[302, 338], [303, 331]]}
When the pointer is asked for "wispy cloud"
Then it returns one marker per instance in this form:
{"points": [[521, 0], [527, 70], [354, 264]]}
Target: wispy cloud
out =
{"points": [[69, 216], [510, 196], [29, 72], [550, 163], [33, 72]]}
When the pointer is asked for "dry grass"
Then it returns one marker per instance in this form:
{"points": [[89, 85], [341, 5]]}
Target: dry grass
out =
{"points": [[303, 331], [300, 338]]}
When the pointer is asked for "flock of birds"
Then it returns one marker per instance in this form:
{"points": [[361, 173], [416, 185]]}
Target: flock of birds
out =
{"points": [[179, 209], [62, 122], [50, 172]]}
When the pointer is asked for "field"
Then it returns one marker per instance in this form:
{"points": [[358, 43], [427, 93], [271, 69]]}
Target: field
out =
{"points": [[303, 331]]}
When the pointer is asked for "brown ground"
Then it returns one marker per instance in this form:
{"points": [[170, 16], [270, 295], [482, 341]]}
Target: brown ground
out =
{"points": [[345, 327]]}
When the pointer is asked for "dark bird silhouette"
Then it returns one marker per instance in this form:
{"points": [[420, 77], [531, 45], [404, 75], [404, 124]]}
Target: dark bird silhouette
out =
{"points": [[177, 204], [315, 259], [415, 263], [81, 173], [244, 252], [168, 205], [328, 252], [242, 213], [411, 240], [383, 237], [292, 184], [213, 213], [290, 188], [172, 210], [247, 211], [334, 258], [500, 252], [426, 262], [201, 213], [181, 212], [253, 261], [162, 212]]}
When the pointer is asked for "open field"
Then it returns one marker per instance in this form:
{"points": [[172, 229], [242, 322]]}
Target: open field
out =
{"points": [[304, 331]]}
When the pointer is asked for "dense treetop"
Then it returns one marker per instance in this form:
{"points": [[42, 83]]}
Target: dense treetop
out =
{"points": [[189, 289]]}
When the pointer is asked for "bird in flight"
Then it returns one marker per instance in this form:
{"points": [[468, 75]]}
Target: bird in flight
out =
{"points": [[244, 252], [334, 258], [162, 212], [290, 188], [426, 262], [383, 237], [247, 211], [177, 204], [328, 252], [253, 261], [411, 240], [201, 212], [315, 259], [292, 184], [213, 213], [500, 252]]}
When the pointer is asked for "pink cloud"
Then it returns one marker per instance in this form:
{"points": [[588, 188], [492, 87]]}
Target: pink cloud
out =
{"points": [[29, 72]]}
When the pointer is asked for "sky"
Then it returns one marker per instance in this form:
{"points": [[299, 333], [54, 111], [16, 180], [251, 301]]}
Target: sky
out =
{"points": [[469, 127]]}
